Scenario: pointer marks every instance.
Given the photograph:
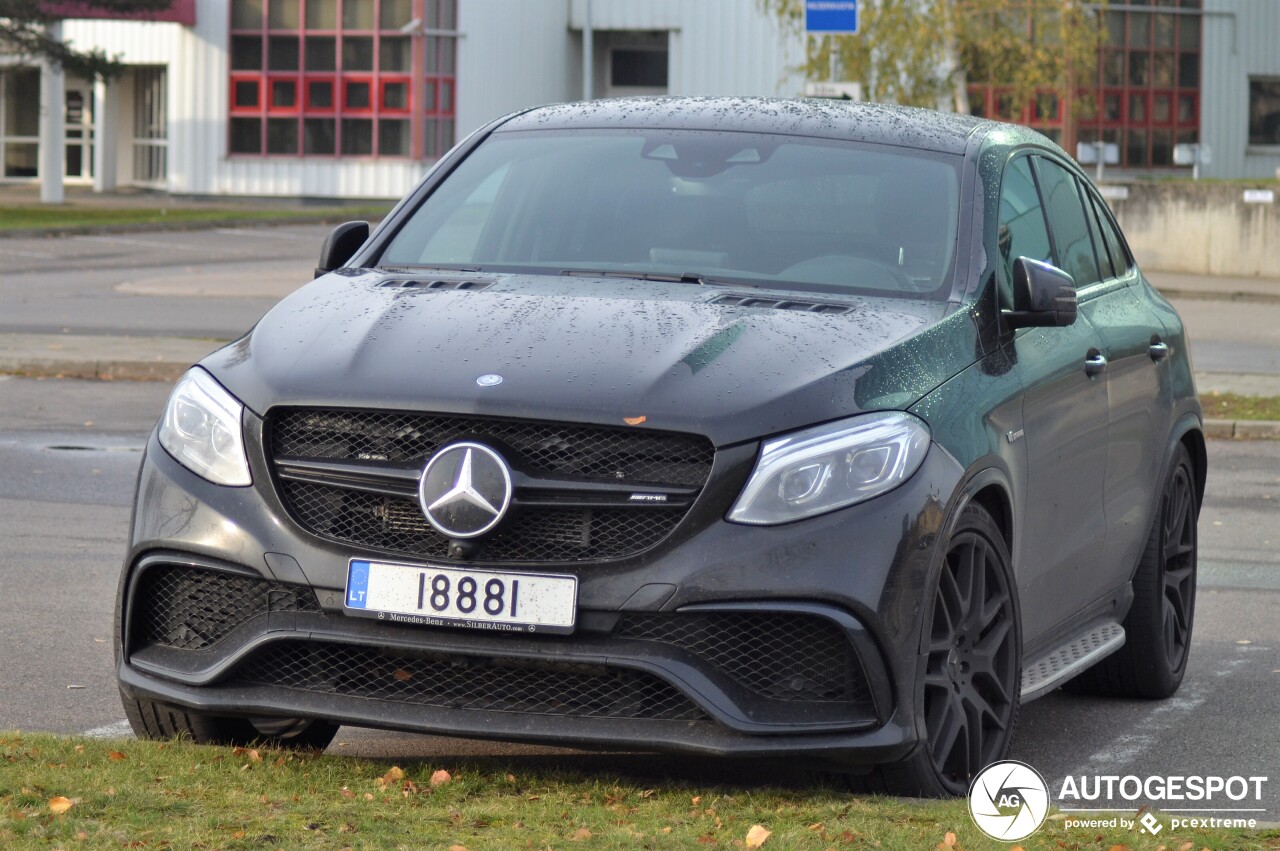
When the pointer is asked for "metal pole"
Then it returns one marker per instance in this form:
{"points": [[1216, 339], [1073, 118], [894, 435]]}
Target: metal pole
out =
{"points": [[588, 59], [1100, 149], [834, 71]]}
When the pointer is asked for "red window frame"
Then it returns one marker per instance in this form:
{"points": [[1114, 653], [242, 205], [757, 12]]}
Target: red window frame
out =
{"points": [[431, 125]]}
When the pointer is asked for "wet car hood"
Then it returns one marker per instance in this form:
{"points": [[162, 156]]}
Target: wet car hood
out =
{"points": [[607, 350]]}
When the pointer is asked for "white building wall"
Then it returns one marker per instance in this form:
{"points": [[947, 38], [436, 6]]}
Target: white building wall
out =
{"points": [[1241, 40], [512, 54], [197, 61], [520, 53]]}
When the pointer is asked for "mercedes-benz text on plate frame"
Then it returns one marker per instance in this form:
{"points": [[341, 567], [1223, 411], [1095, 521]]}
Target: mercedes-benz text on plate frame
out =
{"points": [[526, 602]]}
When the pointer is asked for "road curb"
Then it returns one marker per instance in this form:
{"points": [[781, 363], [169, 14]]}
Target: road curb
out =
{"points": [[1241, 429], [105, 370]]}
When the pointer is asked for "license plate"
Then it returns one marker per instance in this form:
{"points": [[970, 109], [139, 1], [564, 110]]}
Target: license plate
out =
{"points": [[446, 596]]}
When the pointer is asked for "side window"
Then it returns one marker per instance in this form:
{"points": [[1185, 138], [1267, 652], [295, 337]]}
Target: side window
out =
{"points": [[1111, 237], [1021, 230], [1067, 223], [1095, 234]]}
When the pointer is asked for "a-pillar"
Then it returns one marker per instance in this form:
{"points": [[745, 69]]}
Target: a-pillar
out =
{"points": [[106, 131], [52, 133]]}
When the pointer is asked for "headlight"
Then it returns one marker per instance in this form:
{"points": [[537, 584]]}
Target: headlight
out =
{"points": [[830, 466], [201, 430]]}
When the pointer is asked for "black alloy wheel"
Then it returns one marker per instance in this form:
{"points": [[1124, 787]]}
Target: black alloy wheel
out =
{"points": [[1178, 563], [1157, 629], [972, 678]]}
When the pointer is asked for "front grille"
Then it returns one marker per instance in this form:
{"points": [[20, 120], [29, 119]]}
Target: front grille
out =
{"points": [[536, 534], [782, 656], [190, 608], [538, 448], [387, 518], [470, 683]]}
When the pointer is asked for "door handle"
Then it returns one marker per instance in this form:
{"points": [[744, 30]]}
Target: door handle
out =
{"points": [[1094, 363], [1159, 349]]}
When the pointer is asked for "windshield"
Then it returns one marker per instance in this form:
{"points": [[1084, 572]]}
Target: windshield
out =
{"points": [[759, 209]]}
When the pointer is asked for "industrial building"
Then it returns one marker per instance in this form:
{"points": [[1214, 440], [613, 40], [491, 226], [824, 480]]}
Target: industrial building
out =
{"points": [[357, 98]]}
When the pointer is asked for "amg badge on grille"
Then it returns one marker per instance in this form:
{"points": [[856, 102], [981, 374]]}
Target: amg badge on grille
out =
{"points": [[465, 489]]}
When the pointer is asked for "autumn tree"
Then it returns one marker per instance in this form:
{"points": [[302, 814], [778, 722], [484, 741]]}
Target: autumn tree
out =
{"points": [[24, 33], [926, 52]]}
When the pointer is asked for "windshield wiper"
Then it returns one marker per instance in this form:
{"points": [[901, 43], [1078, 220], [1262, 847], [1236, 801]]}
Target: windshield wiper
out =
{"points": [[681, 278]]}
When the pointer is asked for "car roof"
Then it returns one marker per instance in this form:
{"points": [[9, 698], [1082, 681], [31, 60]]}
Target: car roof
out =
{"points": [[862, 122]]}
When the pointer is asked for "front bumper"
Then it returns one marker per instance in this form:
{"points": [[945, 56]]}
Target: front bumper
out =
{"points": [[855, 579]]}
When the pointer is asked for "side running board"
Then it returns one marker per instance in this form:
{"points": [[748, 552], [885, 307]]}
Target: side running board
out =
{"points": [[1047, 672]]}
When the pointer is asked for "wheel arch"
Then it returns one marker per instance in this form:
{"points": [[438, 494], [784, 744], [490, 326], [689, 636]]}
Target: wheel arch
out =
{"points": [[1193, 439]]}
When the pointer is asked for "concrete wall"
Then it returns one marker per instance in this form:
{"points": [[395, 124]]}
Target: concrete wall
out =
{"points": [[1201, 229]]}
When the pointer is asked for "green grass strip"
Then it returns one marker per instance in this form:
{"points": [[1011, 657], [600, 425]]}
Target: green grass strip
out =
{"points": [[1231, 406], [58, 217], [128, 794]]}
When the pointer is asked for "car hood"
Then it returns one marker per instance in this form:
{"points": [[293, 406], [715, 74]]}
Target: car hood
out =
{"points": [[656, 355]]}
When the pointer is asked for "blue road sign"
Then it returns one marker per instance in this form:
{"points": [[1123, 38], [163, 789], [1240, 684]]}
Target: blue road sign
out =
{"points": [[831, 17]]}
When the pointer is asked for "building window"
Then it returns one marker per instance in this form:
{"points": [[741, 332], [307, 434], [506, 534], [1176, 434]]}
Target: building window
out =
{"points": [[342, 77], [1264, 112], [1147, 93], [20, 122]]}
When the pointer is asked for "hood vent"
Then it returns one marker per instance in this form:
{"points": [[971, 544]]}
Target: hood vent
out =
{"points": [[804, 306], [470, 284]]}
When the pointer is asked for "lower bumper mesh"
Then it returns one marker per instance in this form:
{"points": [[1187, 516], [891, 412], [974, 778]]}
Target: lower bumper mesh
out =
{"points": [[474, 683]]}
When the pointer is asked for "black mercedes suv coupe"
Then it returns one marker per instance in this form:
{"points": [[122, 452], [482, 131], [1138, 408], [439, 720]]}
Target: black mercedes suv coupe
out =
{"points": [[716, 426]]}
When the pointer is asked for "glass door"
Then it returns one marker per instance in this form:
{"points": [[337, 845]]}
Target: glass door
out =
{"points": [[78, 124]]}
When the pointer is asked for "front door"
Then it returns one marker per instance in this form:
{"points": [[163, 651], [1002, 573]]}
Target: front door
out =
{"points": [[1064, 428], [78, 128]]}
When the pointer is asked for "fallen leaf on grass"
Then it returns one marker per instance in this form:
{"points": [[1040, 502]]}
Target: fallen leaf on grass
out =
{"points": [[457, 848], [758, 835], [59, 805], [949, 841], [697, 799], [116, 755], [580, 833], [394, 775], [79, 748], [441, 777], [1186, 846], [347, 793], [253, 755], [817, 827], [1118, 848]]}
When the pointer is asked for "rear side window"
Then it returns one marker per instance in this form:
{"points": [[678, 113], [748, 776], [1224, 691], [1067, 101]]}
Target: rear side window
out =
{"points": [[1111, 238], [1021, 228], [1067, 223], [1095, 234]]}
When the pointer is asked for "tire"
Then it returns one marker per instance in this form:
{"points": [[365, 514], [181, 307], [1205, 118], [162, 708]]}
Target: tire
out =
{"points": [[153, 720], [1158, 627], [970, 701]]}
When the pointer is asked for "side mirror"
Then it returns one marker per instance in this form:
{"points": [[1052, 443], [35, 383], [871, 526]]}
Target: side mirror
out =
{"points": [[340, 245], [1043, 295]]}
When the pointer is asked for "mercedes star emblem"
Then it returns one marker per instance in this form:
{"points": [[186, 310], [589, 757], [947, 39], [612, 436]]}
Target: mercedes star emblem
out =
{"points": [[465, 489]]}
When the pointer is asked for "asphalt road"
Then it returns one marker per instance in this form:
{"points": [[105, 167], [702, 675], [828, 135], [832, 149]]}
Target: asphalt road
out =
{"points": [[69, 452], [216, 283]]}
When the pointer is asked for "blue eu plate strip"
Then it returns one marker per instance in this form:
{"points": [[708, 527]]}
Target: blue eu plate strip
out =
{"points": [[357, 584]]}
